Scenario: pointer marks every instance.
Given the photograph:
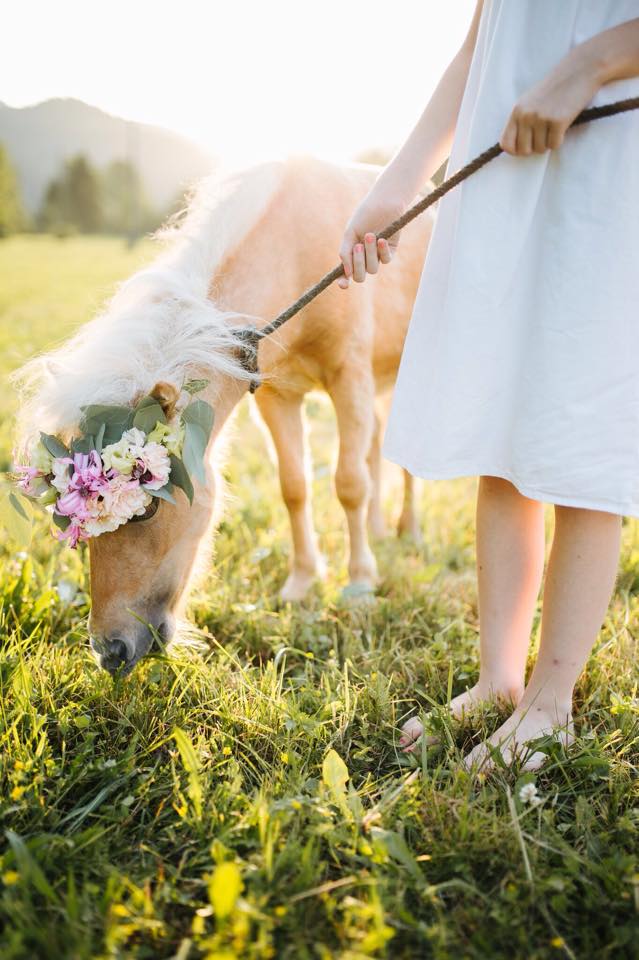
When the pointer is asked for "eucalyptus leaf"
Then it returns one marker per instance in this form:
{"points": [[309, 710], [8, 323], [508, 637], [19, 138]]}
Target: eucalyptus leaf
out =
{"points": [[55, 447], [111, 414], [195, 386], [13, 520], [99, 440], [147, 413], [194, 450], [163, 494], [113, 431], [201, 413], [83, 444], [180, 477], [61, 521], [15, 503]]}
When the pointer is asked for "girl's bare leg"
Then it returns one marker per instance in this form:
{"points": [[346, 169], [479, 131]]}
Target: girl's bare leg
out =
{"points": [[510, 560], [579, 582]]}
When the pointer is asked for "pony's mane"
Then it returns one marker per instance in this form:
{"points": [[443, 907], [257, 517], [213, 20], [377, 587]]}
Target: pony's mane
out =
{"points": [[161, 324]]}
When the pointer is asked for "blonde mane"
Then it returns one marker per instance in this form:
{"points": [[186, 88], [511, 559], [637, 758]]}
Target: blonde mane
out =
{"points": [[161, 324]]}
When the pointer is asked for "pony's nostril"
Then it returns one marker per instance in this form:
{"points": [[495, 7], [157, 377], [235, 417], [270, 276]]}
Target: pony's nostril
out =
{"points": [[116, 652]]}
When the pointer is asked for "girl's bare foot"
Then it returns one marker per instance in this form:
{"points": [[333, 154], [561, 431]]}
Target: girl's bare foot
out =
{"points": [[527, 724], [466, 702]]}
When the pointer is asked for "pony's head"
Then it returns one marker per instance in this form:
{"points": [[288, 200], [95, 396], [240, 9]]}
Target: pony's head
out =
{"points": [[149, 342], [160, 330], [140, 571]]}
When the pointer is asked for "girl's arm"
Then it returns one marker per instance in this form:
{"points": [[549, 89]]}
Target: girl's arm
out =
{"points": [[541, 117], [423, 152]]}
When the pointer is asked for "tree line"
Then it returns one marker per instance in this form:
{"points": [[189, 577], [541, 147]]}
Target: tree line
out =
{"points": [[81, 199]]}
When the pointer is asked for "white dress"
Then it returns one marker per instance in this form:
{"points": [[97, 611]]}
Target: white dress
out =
{"points": [[522, 357]]}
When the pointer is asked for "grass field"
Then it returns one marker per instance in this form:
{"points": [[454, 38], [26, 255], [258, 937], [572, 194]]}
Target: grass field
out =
{"points": [[250, 801]]}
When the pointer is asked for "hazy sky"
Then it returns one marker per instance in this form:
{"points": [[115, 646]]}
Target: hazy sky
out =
{"points": [[246, 79]]}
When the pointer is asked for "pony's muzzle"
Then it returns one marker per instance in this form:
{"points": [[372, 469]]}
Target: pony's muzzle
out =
{"points": [[112, 654]]}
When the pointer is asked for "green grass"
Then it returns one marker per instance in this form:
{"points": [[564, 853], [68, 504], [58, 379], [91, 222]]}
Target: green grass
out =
{"points": [[196, 809]]}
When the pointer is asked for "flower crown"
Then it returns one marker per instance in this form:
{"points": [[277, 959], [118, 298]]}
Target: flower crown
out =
{"points": [[125, 460]]}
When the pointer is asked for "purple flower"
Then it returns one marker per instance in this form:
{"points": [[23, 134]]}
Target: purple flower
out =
{"points": [[86, 482], [73, 534]]}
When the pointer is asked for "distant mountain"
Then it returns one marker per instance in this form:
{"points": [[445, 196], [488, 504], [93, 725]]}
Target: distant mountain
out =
{"points": [[40, 138]]}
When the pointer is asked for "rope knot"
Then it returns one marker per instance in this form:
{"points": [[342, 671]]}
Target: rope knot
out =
{"points": [[248, 341]]}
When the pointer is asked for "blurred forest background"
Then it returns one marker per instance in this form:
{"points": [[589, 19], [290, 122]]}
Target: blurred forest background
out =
{"points": [[68, 168]]}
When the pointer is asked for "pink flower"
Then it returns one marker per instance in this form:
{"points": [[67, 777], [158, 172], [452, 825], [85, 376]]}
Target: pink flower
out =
{"points": [[86, 482], [26, 484], [153, 466], [124, 498], [73, 533]]}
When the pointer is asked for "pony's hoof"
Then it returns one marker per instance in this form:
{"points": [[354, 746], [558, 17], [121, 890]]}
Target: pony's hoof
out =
{"points": [[360, 594], [297, 587]]}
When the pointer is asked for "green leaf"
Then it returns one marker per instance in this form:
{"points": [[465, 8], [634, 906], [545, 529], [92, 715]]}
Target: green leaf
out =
{"points": [[335, 772], [191, 765], [99, 440], [15, 503], [55, 447], [194, 450], [29, 869], [201, 413], [147, 413], [15, 517], [225, 887], [164, 493], [180, 477], [110, 414], [395, 846], [61, 521], [195, 386], [83, 444]]}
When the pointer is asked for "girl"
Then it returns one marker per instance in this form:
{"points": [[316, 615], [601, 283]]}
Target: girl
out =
{"points": [[521, 364]]}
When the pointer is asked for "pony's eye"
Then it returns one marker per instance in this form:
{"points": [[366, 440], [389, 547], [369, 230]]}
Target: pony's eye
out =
{"points": [[150, 511]]}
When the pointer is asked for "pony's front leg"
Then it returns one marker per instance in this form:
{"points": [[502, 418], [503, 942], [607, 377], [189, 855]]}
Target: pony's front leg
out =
{"points": [[283, 416], [353, 396], [408, 523]]}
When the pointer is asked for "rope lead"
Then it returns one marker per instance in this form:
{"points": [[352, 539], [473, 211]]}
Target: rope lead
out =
{"points": [[251, 336]]}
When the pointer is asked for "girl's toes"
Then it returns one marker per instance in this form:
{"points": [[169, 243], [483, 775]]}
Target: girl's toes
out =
{"points": [[531, 759], [411, 732], [479, 759]]}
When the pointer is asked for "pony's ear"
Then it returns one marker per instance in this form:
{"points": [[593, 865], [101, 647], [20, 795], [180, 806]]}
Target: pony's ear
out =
{"points": [[167, 396]]}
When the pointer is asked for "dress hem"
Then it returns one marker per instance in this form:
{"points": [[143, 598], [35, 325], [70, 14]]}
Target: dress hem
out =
{"points": [[459, 471]]}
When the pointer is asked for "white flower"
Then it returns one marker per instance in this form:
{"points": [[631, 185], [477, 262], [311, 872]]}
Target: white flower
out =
{"points": [[156, 462], [122, 456], [101, 524], [528, 794], [134, 437], [61, 475]]}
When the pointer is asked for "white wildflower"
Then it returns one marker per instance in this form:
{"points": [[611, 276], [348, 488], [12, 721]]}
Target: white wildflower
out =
{"points": [[528, 794]]}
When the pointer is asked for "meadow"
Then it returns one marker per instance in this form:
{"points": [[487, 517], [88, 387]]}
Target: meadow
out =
{"points": [[249, 799]]}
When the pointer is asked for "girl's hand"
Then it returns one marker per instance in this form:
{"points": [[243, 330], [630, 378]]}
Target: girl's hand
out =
{"points": [[360, 251], [541, 117]]}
